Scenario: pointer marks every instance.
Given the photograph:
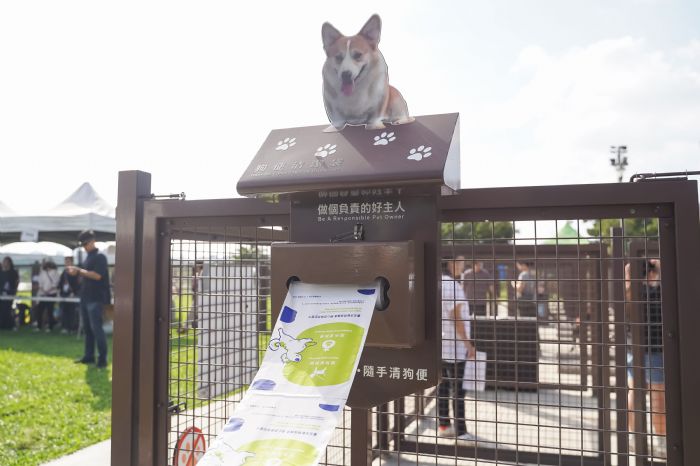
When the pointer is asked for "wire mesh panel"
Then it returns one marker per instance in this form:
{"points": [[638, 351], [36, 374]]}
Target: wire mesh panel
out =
{"points": [[219, 323], [564, 318], [564, 321], [219, 330]]}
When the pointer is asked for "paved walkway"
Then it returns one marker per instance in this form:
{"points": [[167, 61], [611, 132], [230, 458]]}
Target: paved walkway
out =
{"points": [[94, 455]]}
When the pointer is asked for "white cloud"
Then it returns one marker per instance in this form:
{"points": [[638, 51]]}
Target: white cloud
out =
{"points": [[188, 93], [572, 107], [689, 52]]}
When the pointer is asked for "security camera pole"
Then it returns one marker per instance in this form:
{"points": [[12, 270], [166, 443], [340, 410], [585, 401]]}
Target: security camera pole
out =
{"points": [[621, 162]]}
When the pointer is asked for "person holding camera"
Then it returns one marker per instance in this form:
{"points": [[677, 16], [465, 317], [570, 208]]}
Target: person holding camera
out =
{"points": [[94, 294]]}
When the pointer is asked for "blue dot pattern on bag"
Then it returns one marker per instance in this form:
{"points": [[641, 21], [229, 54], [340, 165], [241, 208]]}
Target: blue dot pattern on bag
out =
{"points": [[233, 424], [263, 384], [366, 291], [331, 408], [288, 315]]}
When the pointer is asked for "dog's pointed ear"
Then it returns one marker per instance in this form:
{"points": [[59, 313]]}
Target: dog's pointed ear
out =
{"points": [[329, 34], [372, 30]]}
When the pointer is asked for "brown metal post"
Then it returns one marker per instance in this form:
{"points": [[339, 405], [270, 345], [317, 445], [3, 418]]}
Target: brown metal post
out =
{"points": [[147, 338], [595, 317], [584, 324], [604, 400], [162, 366], [383, 426], [618, 304], [360, 437], [400, 423], [133, 186], [682, 420]]}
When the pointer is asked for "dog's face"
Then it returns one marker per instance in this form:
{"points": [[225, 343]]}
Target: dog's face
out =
{"points": [[349, 57]]}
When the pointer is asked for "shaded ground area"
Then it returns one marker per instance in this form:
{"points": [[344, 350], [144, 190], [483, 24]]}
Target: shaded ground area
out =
{"points": [[49, 406], [94, 455]]}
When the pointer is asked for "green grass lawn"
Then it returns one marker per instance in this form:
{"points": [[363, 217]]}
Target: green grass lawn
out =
{"points": [[183, 357], [49, 406], [183, 368]]}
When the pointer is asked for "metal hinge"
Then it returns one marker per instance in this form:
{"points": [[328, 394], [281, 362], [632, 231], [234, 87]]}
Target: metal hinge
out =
{"points": [[654, 176], [180, 196]]}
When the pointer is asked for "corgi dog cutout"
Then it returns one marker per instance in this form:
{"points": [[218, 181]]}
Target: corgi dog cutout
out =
{"points": [[356, 88]]}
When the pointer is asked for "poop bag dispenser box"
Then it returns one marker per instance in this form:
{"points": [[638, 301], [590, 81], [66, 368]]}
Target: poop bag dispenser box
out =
{"points": [[295, 401]]}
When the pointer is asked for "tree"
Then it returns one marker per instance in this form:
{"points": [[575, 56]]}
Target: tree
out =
{"points": [[641, 227], [492, 232]]}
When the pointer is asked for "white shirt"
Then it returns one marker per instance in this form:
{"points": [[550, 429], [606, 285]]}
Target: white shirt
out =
{"points": [[48, 282], [453, 347]]}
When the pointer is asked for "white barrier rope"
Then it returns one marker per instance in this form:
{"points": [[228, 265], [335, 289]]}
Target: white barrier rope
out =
{"points": [[48, 299]]}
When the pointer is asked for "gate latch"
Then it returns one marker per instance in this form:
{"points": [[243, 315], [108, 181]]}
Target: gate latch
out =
{"points": [[357, 234]]}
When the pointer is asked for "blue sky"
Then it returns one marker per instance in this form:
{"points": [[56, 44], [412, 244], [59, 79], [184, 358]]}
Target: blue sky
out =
{"points": [[189, 90]]}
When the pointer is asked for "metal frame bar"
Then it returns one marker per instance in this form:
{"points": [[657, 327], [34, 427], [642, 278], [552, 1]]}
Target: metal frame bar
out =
{"points": [[618, 297], [133, 186], [680, 362]]}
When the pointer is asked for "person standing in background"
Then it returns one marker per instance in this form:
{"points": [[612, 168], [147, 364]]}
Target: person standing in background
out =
{"points": [[478, 286], [68, 287], [48, 288], [649, 303], [456, 348], [525, 290], [94, 294], [36, 270], [9, 282]]}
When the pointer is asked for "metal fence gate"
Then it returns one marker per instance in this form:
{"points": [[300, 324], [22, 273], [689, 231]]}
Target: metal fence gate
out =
{"points": [[564, 305]]}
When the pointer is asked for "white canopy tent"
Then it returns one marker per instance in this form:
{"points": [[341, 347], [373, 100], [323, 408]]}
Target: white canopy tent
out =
{"points": [[27, 252], [4, 210], [84, 209], [107, 248]]}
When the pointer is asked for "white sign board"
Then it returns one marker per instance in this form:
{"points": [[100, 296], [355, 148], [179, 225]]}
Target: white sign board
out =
{"points": [[29, 235]]}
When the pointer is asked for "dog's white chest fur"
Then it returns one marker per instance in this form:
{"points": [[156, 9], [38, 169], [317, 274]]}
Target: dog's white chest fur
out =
{"points": [[364, 103]]}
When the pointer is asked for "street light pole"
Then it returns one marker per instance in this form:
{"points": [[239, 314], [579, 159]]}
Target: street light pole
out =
{"points": [[619, 163]]}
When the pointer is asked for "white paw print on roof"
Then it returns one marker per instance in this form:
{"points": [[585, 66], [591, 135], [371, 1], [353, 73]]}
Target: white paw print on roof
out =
{"points": [[324, 151], [286, 143], [419, 153], [384, 139]]}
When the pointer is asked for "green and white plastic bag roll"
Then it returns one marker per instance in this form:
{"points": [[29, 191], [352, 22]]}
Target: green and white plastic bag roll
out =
{"points": [[287, 416]]}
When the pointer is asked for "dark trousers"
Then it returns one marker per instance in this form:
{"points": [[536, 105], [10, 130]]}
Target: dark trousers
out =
{"points": [[44, 314], [69, 316], [527, 309], [451, 388], [91, 313], [477, 309], [7, 317]]}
